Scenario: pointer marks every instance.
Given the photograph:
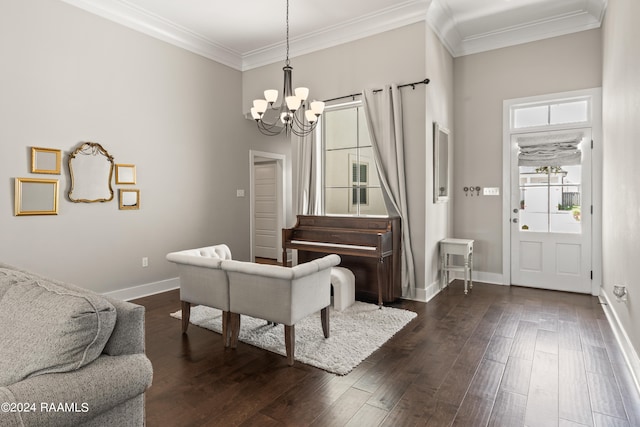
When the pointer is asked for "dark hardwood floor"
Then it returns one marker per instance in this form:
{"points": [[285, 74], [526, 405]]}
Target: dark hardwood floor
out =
{"points": [[501, 356]]}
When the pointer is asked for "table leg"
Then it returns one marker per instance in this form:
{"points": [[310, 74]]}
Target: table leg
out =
{"points": [[471, 270], [466, 273]]}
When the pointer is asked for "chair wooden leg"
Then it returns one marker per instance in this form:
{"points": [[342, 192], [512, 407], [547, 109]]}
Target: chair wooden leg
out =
{"points": [[324, 317], [290, 342], [233, 329], [225, 328], [186, 314]]}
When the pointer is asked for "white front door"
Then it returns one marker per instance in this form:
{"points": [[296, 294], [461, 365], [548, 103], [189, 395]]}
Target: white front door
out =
{"points": [[551, 222], [266, 210]]}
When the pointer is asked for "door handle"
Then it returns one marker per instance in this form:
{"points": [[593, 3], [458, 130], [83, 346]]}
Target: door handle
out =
{"points": [[515, 210], [515, 220]]}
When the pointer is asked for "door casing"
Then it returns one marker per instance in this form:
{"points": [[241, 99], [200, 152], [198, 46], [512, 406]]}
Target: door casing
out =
{"points": [[596, 176]]}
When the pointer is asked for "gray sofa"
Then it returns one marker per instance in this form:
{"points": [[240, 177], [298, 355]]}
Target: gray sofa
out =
{"points": [[69, 357]]}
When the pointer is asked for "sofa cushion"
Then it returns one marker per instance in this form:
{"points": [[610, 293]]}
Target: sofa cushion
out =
{"points": [[48, 328]]}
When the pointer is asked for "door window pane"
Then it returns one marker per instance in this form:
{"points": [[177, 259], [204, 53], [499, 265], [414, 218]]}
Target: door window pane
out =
{"points": [[550, 199]]}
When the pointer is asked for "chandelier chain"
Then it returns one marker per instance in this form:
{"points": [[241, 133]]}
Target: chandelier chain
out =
{"points": [[287, 61]]}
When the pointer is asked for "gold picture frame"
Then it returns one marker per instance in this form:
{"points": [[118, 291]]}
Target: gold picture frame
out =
{"points": [[125, 174], [129, 199], [46, 160], [35, 196]]}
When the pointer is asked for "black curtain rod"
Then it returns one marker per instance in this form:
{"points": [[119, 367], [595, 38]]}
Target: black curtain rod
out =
{"points": [[353, 95]]}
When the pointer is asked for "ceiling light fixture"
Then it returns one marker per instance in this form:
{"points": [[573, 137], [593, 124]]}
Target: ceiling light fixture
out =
{"points": [[292, 114]]}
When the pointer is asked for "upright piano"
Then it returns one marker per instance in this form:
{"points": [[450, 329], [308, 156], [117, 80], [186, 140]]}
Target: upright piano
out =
{"points": [[368, 246]]}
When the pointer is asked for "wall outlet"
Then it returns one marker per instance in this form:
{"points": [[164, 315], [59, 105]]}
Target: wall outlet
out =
{"points": [[240, 193], [491, 191], [145, 261]]}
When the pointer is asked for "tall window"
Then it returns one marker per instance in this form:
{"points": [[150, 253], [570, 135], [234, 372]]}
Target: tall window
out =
{"points": [[350, 177]]}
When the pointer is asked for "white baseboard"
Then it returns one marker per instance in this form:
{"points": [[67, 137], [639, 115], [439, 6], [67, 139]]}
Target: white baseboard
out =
{"points": [[145, 290], [630, 355], [426, 294]]}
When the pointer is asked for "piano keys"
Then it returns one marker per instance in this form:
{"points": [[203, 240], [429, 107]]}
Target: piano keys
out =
{"points": [[368, 246]]}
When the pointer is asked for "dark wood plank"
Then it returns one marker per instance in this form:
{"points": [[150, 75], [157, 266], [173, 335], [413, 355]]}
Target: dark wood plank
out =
{"points": [[517, 376], [343, 409], [508, 410], [605, 395], [574, 403], [542, 401]]}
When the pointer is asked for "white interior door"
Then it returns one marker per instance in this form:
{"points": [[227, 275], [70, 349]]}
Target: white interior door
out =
{"points": [[551, 221], [266, 210]]}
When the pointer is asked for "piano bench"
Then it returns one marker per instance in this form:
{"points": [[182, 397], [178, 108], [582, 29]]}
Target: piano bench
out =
{"points": [[344, 287]]}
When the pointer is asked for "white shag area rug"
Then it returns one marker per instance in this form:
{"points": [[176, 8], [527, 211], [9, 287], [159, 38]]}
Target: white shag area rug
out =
{"points": [[355, 333]]}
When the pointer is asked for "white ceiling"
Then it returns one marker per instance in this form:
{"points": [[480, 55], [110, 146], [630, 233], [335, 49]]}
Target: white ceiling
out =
{"points": [[245, 34]]}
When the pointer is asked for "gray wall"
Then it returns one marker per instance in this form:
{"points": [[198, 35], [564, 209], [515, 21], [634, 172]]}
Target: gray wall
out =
{"points": [[621, 130], [439, 109], [481, 83], [68, 76], [398, 56]]}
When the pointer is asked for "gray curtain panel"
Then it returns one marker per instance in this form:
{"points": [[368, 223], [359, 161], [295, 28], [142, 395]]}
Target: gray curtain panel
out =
{"points": [[383, 112]]}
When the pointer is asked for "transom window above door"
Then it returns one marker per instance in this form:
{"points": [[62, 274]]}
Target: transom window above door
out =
{"points": [[577, 110]]}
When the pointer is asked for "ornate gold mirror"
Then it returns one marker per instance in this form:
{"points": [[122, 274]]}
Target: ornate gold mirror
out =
{"points": [[91, 169]]}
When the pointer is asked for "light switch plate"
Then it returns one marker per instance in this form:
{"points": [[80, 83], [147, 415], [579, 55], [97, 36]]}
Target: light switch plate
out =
{"points": [[239, 193], [491, 191]]}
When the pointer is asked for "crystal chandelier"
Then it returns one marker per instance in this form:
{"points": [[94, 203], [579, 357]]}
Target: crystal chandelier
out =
{"points": [[292, 114]]}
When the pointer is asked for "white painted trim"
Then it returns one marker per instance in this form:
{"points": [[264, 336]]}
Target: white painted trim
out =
{"points": [[629, 353], [481, 276], [145, 290], [139, 19], [428, 293], [443, 23], [405, 13], [125, 13], [596, 175], [280, 170]]}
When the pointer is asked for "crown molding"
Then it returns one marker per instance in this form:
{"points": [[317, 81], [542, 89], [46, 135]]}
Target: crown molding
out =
{"points": [[124, 13], [441, 20], [131, 16], [388, 19]]}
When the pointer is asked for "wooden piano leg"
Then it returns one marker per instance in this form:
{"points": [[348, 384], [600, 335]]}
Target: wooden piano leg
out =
{"points": [[380, 276]]}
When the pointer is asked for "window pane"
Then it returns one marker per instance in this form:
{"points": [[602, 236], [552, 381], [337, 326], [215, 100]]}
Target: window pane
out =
{"points": [[352, 186], [366, 158], [338, 167], [550, 199], [569, 112], [340, 127], [565, 198], [530, 116], [365, 139], [372, 201], [337, 201]]}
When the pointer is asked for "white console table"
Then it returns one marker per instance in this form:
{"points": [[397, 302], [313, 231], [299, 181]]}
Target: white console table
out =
{"points": [[462, 247]]}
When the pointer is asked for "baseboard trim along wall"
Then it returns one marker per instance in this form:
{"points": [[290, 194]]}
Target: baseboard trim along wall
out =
{"points": [[426, 294], [145, 290], [630, 355]]}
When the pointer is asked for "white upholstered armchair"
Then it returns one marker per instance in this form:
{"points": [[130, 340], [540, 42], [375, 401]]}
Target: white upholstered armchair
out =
{"points": [[203, 282], [279, 294]]}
